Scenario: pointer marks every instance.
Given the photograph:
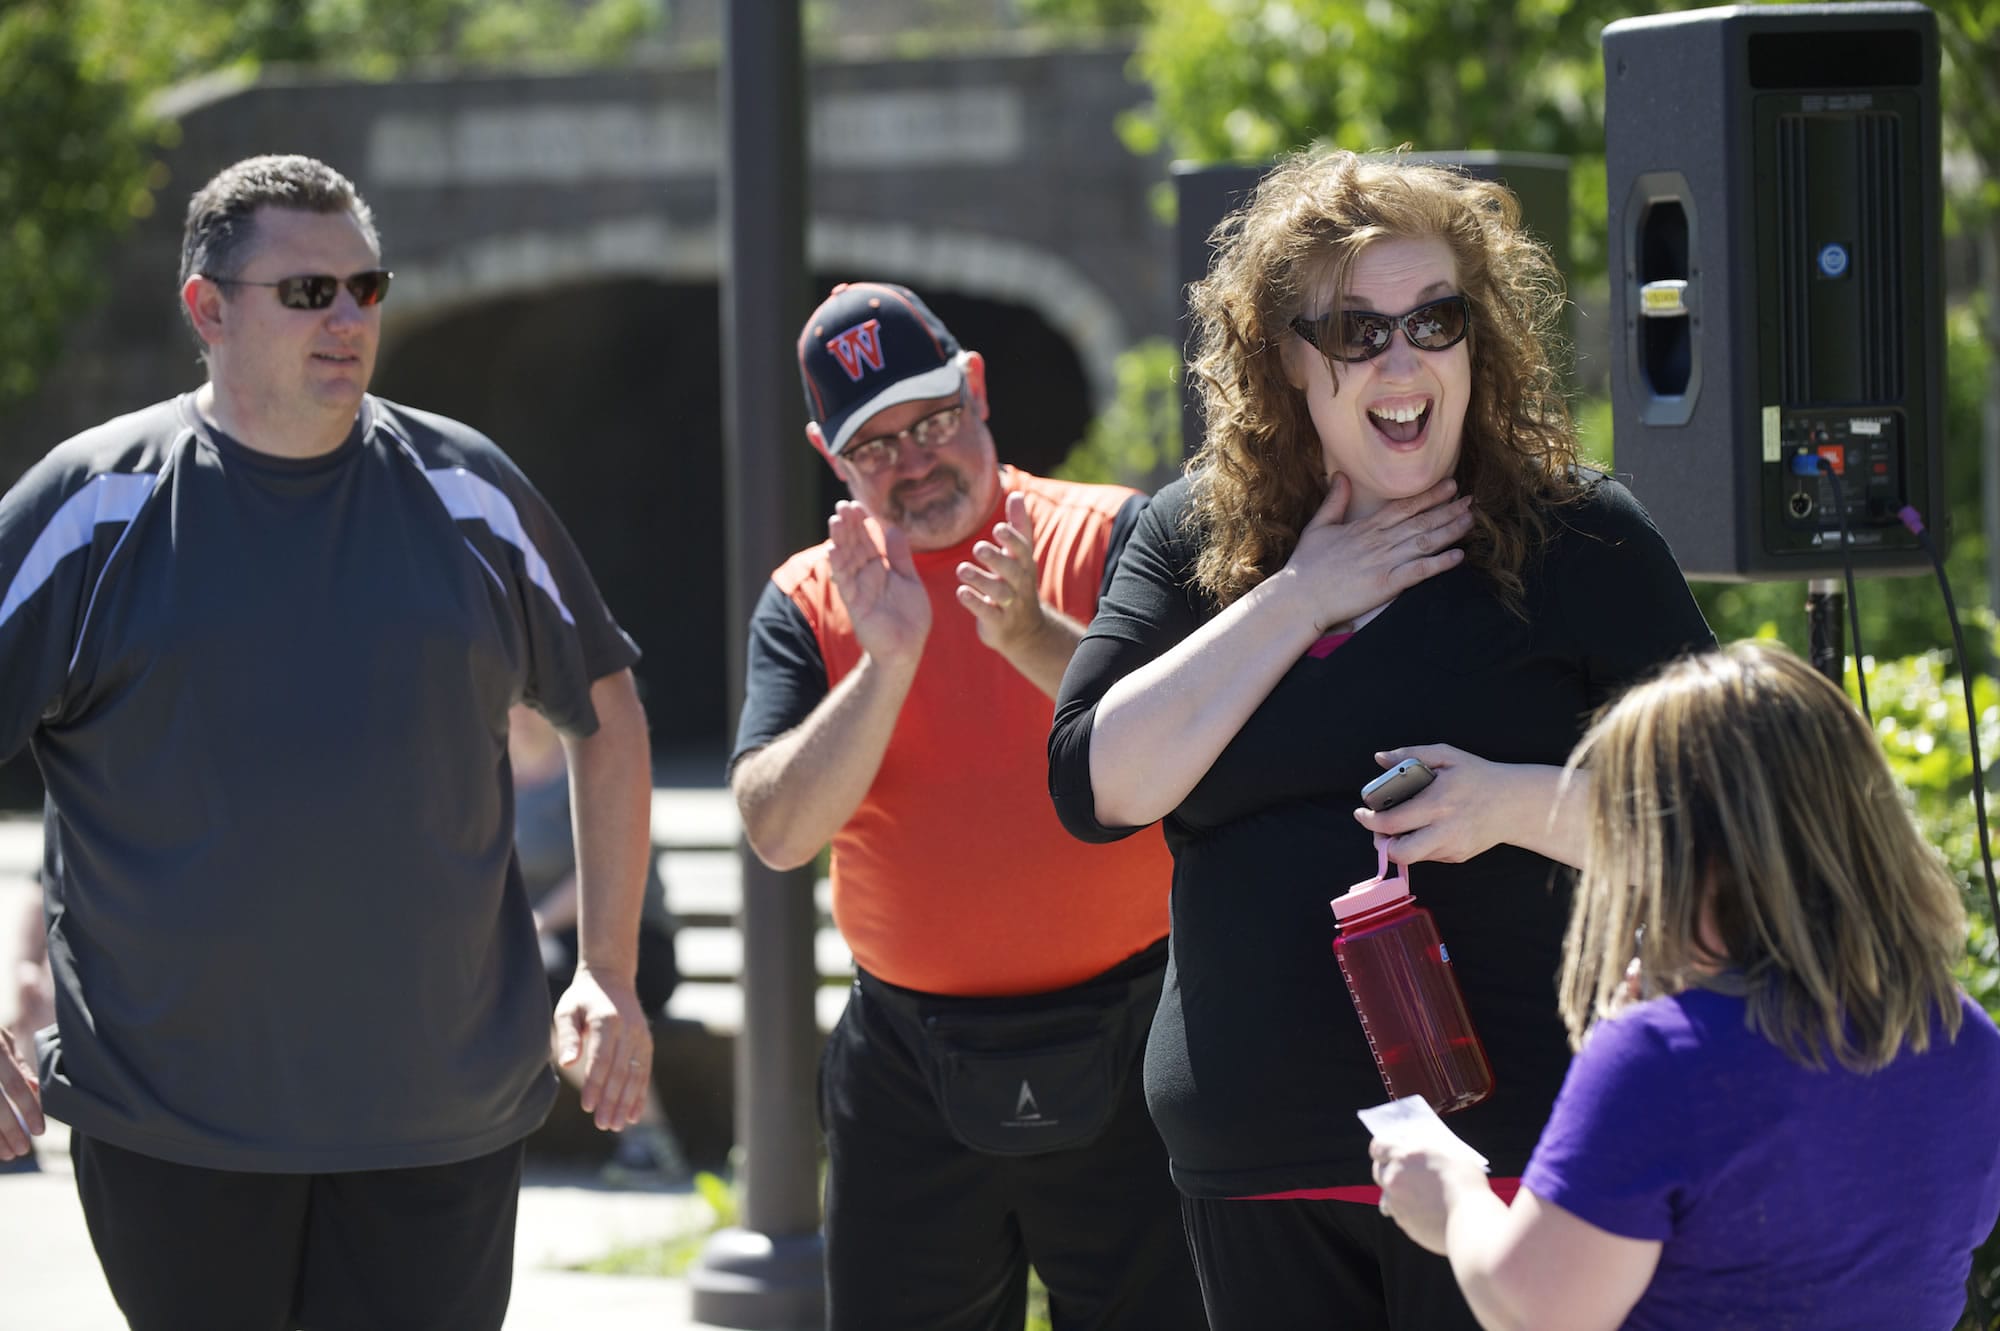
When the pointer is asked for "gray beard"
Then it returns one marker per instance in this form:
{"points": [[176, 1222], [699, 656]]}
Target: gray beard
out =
{"points": [[906, 517]]}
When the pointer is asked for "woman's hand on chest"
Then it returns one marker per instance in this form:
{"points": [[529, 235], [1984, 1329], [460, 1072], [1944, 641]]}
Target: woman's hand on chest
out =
{"points": [[1344, 571]]}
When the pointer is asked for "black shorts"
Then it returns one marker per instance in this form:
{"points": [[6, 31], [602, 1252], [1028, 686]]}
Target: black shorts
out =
{"points": [[924, 1233], [190, 1249]]}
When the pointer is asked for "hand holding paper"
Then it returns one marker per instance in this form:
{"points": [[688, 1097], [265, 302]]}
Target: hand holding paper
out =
{"points": [[1411, 1123], [1419, 1163]]}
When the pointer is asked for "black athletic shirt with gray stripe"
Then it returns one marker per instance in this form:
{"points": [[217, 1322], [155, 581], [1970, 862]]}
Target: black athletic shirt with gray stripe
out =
{"points": [[269, 701]]}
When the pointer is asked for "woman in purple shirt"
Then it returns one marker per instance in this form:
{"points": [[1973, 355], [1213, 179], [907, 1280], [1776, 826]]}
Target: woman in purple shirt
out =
{"points": [[1801, 1130]]}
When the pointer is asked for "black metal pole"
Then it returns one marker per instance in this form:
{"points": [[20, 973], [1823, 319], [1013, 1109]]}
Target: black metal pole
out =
{"points": [[1824, 630], [766, 1273]]}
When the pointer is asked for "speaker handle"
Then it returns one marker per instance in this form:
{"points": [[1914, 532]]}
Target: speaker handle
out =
{"points": [[1663, 311]]}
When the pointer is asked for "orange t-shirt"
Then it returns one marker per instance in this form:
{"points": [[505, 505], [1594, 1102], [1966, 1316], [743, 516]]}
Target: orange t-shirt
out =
{"points": [[954, 876]]}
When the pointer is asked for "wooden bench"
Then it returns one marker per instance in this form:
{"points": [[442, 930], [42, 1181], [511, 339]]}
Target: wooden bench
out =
{"points": [[705, 892]]}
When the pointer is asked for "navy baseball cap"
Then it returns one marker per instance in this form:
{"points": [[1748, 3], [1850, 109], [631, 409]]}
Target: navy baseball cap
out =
{"points": [[868, 347]]}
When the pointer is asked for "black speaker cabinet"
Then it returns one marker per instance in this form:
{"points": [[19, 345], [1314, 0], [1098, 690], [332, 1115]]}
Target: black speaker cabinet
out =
{"points": [[1204, 195], [1776, 297]]}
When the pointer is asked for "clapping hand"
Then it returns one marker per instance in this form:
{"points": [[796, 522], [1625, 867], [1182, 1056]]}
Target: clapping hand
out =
{"points": [[885, 599], [1002, 588]]}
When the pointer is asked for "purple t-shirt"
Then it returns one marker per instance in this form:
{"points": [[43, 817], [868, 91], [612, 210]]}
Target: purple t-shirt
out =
{"points": [[1785, 1196]]}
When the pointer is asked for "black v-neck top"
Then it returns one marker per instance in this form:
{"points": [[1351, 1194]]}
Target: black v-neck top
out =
{"points": [[1257, 1062]]}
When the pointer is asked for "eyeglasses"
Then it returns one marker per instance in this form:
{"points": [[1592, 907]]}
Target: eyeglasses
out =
{"points": [[884, 451], [316, 291], [1364, 334]]}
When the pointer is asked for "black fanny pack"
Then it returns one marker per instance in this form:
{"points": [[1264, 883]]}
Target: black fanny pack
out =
{"points": [[1023, 1076]]}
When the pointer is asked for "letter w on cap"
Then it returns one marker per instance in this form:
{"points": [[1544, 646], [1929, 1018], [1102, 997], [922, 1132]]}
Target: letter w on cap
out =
{"points": [[859, 348]]}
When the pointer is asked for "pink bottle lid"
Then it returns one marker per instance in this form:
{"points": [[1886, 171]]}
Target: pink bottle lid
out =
{"points": [[1372, 894]]}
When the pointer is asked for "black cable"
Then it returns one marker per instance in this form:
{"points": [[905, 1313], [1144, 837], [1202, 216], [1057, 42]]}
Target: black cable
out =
{"points": [[1828, 470], [1915, 522]]}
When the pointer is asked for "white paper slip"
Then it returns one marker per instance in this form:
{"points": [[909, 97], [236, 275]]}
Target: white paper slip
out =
{"points": [[1412, 1122], [18, 1119]]}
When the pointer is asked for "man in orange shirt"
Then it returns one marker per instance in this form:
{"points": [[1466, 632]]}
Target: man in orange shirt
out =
{"points": [[982, 1095]]}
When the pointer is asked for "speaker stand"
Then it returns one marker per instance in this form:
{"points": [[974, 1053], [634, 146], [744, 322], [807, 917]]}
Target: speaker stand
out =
{"points": [[1825, 607]]}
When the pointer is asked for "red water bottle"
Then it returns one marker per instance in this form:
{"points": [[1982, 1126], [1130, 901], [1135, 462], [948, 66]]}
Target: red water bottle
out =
{"points": [[1399, 975]]}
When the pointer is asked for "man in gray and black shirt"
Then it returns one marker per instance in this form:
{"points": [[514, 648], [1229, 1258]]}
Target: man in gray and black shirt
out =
{"points": [[262, 640]]}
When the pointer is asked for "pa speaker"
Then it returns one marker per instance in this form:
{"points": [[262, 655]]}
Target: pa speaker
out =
{"points": [[1776, 297]]}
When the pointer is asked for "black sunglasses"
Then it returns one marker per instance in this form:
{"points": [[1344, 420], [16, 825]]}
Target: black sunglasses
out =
{"points": [[315, 291], [1363, 334]]}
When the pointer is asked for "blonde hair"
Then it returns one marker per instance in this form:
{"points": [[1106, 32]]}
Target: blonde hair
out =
{"points": [[1260, 473], [1742, 787]]}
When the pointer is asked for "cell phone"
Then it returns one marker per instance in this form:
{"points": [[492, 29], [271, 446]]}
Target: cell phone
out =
{"points": [[1397, 784]]}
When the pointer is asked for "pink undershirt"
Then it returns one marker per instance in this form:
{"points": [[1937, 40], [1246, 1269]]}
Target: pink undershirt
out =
{"points": [[1365, 1193], [1322, 649]]}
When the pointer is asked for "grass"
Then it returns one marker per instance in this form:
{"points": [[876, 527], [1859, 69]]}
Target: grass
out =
{"points": [[671, 1257], [1038, 1303]]}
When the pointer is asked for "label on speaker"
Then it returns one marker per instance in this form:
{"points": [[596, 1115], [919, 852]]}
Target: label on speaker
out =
{"points": [[1774, 436]]}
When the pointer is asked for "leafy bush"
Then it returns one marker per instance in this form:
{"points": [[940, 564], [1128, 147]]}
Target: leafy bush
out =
{"points": [[1920, 716], [1137, 439]]}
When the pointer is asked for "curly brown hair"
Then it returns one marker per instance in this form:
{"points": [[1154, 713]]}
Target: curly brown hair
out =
{"points": [[1260, 473]]}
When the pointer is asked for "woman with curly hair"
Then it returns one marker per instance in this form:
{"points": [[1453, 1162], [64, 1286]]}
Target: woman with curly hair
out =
{"points": [[1384, 549], [1739, 1151]]}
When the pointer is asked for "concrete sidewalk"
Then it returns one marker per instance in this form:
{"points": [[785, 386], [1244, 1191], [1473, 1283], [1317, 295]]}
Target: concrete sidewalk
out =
{"points": [[49, 1278]]}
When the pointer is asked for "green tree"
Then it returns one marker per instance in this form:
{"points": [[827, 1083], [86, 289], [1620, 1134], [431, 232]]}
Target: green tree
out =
{"points": [[1242, 80], [1245, 80], [73, 174], [1970, 33], [1137, 439], [1089, 16], [78, 143]]}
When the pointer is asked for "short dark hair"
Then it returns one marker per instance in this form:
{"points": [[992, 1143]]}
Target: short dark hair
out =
{"points": [[220, 215]]}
